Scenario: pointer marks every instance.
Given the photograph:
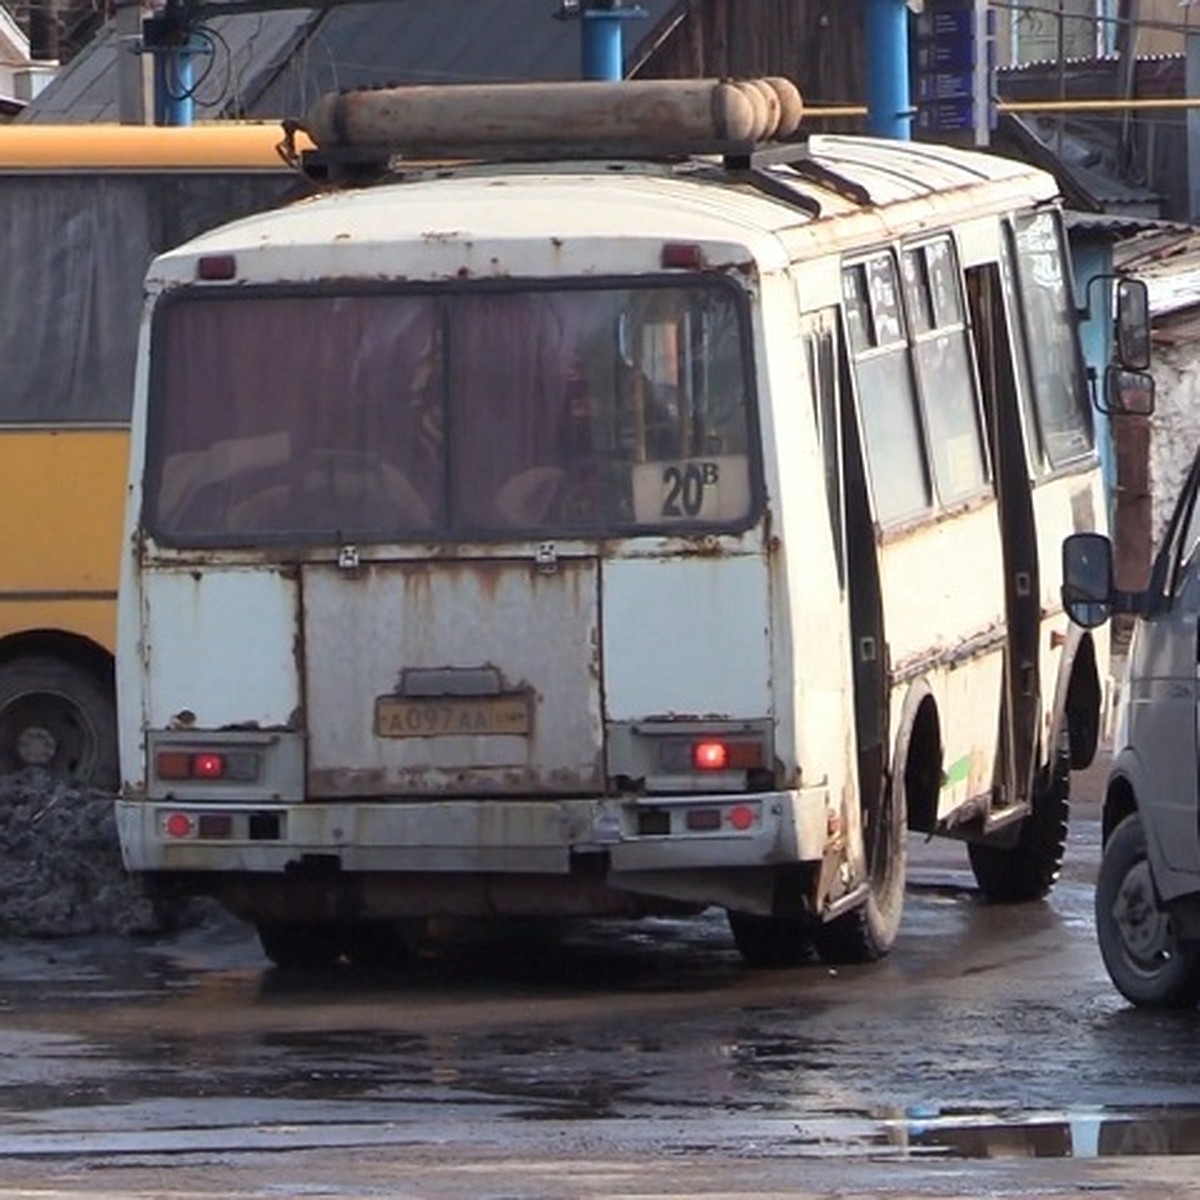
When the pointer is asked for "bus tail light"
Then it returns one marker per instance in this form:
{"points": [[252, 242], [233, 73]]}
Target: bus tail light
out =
{"points": [[711, 754], [689, 755], [235, 766], [208, 766]]}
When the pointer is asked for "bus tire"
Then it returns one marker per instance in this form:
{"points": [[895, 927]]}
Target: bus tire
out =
{"points": [[300, 944], [770, 942], [1137, 942], [1028, 869], [380, 944], [868, 932], [60, 717]]}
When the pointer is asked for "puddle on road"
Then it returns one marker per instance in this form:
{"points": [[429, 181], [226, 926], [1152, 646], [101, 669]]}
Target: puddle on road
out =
{"points": [[1099, 1133]]}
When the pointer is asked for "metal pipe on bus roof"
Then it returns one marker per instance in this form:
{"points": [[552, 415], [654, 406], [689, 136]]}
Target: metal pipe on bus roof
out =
{"points": [[412, 118]]}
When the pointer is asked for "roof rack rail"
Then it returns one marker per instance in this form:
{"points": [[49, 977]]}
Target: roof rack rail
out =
{"points": [[740, 162], [369, 160]]}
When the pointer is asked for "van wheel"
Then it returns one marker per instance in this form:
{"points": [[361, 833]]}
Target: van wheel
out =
{"points": [[770, 942], [868, 932], [1028, 869], [59, 717], [300, 944], [1136, 936]]}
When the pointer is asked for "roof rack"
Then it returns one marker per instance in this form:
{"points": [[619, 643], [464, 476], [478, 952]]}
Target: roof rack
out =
{"points": [[366, 135]]}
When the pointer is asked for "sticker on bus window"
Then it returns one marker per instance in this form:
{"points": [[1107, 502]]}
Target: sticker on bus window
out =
{"points": [[715, 488]]}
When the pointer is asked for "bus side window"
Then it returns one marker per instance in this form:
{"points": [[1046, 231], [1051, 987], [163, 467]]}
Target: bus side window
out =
{"points": [[886, 401], [942, 359]]}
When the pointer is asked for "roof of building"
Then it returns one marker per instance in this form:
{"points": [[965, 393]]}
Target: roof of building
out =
{"points": [[14, 45], [1080, 159], [275, 64], [1168, 262]]}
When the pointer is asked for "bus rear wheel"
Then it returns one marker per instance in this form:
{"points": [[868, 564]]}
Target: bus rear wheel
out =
{"points": [[300, 944], [382, 945], [868, 932], [771, 941], [1029, 868], [59, 717]]}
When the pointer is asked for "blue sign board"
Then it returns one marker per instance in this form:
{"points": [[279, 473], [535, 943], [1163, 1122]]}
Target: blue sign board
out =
{"points": [[953, 66]]}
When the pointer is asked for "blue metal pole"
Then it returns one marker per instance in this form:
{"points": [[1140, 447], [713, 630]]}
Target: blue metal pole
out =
{"points": [[889, 109], [603, 51], [174, 79]]}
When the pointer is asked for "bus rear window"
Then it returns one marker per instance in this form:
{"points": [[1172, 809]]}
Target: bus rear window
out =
{"points": [[421, 415]]}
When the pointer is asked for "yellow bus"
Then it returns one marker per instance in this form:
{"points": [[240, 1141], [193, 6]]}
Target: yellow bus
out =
{"points": [[85, 210]]}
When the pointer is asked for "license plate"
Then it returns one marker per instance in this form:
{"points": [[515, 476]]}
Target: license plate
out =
{"points": [[452, 716]]}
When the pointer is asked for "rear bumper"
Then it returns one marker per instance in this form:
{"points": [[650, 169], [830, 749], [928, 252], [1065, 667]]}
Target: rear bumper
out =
{"points": [[543, 836]]}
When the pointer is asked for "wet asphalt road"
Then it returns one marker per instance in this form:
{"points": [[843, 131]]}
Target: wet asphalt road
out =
{"points": [[988, 1056]]}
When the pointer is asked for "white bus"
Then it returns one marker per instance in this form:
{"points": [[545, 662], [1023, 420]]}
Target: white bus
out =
{"points": [[627, 527]]}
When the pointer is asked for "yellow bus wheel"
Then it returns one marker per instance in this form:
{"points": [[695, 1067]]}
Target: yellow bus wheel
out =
{"points": [[58, 717]]}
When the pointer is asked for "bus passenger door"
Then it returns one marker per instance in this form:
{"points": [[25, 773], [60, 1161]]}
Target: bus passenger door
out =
{"points": [[994, 352], [849, 507]]}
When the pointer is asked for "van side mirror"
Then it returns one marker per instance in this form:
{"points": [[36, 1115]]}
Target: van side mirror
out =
{"points": [[1087, 588], [1127, 393], [1133, 324]]}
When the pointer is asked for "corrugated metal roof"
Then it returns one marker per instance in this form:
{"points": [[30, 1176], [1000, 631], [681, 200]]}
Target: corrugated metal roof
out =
{"points": [[275, 64], [1169, 264], [248, 47]]}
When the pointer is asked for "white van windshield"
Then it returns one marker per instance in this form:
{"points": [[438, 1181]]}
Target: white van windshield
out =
{"points": [[430, 414]]}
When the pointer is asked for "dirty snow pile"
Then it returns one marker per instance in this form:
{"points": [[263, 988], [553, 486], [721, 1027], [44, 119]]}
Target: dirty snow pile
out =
{"points": [[60, 865]]}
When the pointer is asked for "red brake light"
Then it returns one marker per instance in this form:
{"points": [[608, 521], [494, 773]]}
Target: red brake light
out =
{"points": [[216, 266], [208, 766], [682, 256], [711, 756]]}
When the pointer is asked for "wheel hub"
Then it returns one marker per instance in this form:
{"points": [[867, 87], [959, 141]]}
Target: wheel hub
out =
{"points": [[1145, 929], [36, 746]]}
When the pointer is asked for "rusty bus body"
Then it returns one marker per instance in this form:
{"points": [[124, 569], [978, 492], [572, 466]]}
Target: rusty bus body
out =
{"points": [[625, 534]]}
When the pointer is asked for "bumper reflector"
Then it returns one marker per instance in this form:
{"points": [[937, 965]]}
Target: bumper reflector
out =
{"points": [[214, 825], [178, 825]]}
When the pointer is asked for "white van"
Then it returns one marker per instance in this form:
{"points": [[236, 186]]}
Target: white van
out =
{"points": [[1148, 890]]}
